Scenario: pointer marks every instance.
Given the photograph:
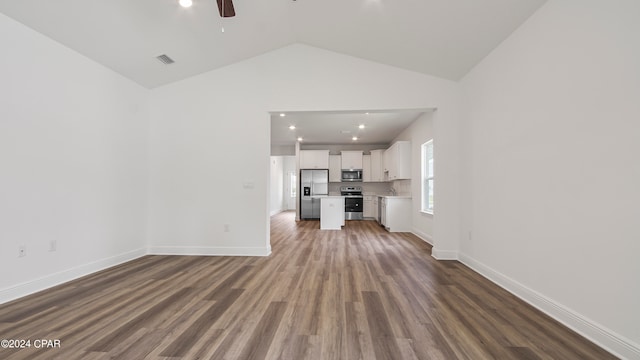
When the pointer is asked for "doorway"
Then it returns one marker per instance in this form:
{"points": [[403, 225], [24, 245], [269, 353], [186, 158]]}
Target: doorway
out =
{"points": [[290, 192]]}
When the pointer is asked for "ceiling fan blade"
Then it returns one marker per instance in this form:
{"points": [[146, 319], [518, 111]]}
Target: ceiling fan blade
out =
{"points": [[225, 7]]}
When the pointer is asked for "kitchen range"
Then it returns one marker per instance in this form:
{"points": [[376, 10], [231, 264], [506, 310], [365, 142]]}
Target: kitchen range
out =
{"points": [[353, 201]]}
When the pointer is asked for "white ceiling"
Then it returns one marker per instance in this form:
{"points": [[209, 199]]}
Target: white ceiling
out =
{"points": [[327, 127], [444, 38]]}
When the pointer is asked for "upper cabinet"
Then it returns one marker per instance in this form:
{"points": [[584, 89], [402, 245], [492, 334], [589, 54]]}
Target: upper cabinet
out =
{"points": [[397, 161], [377, 173], [335, 170], [314, 159], [351, 160], [391, 164], [366, 168]]}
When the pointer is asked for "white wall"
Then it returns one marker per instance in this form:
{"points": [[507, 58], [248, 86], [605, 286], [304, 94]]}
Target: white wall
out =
{"points": [[552, 143], [289, 165], [276, 185], [419, 132], [283, 150], [73, 149], [210, 134], [279, 184]]}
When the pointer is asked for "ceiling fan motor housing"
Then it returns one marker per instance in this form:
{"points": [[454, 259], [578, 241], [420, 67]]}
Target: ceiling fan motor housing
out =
{"points": [[225, 7]]}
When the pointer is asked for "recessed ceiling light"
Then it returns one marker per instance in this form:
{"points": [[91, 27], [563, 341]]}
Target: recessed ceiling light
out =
{"points": [[299, 139], [292, 127], [354, 138], [361, 126], [283, 114], [185, 3], [366, 113]]}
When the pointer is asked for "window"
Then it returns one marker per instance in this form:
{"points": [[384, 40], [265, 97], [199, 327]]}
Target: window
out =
{"points": [[427, 177]]}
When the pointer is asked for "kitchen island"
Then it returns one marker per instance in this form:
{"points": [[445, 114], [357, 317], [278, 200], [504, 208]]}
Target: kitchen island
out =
{"points": [[331, 212]]}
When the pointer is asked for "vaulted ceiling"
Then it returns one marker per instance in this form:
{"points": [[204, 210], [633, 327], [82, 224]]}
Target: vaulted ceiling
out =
{"points": [[444, 38]]}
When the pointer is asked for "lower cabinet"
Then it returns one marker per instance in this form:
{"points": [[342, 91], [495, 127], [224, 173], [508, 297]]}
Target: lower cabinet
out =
{"points": [[396, 213], [375, 208], [367, 206]]}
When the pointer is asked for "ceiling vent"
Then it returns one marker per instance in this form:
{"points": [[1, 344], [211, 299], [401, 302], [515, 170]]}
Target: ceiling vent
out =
{"points": [[165, 59]]}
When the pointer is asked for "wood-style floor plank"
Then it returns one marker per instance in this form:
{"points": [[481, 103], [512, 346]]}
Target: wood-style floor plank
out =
{"points": [[359, 293]]}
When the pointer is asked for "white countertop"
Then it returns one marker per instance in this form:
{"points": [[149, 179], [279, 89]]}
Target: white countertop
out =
{"points": [[387, 195]]}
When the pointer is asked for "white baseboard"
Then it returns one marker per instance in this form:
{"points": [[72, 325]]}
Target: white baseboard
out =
{"points": [[275, 212], [423, 236], [444, 254], [45, 282], [210, 251], [598, 334]]}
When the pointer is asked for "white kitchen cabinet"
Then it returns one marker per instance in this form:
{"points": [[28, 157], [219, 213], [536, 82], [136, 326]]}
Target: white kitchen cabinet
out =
{"points": [[397, 161], [367, 206], [375, 207], [335, 170], [396, 213], [314, 159], [351, 160], [366, 168], [386, 164], [377, 173], [383, 211]]}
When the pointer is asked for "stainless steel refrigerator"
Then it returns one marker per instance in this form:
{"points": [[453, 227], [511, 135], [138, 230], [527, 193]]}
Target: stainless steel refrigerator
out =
{"points": [[313, 183]]}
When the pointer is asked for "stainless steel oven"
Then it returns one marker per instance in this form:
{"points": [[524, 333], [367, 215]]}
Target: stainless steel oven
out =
{"points": [[353, 202]]}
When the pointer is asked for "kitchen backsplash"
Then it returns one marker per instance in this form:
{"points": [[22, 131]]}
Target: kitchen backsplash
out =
{"points": [[367, 188], [402, 187]]}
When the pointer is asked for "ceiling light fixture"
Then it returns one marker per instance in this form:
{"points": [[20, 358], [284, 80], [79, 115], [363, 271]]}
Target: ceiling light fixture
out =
{"points": [[185, 3], [299, 139], [283, 114], [292, 127], [361, 126], [354, 138]]}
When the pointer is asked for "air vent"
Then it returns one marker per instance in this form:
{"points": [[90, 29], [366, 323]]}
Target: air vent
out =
{"points": [[165, 59]]}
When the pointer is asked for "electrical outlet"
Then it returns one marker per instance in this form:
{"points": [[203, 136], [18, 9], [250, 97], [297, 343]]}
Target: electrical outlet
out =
{"points": [[53, 245], [227, 228], [22, 251]]}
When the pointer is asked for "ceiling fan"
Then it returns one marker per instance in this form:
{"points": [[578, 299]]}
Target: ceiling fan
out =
{"points": [[225, 7]]}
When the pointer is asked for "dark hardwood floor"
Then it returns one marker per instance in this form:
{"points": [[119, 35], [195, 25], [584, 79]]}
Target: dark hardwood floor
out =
{"points": [[360, 293]]}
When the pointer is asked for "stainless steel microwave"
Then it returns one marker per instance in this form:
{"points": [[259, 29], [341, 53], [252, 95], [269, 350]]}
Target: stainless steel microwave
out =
{"points": [[352, 175]]}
